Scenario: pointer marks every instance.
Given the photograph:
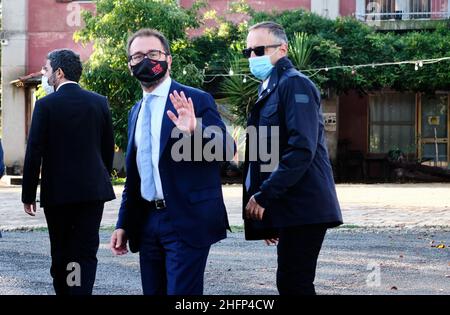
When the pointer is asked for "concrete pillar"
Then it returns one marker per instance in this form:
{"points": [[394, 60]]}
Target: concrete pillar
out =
{"points": [[448, 8], [360, 9], [14, 43], [326, 8]]}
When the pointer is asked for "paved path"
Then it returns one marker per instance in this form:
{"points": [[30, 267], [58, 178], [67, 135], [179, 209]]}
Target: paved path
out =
{"points": [[400, 258], [381, 205]]}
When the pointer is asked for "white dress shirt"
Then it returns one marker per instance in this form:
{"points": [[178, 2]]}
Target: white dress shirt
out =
{"points": [[64, 83], [157, 106], [247, 178], [265, 84]]}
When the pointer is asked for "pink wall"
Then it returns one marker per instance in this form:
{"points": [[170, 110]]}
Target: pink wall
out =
{"points": [[48, 29], [438, 6], [259, 5], [222, 6], [347, 7]]}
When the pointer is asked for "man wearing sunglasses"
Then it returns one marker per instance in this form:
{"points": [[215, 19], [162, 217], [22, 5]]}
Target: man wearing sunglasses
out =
{"points": [[172, 211], [293, 204]]}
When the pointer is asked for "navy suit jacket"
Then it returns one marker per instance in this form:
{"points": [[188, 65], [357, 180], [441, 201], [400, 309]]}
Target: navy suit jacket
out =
{"points": [[192, 189], [2, 164], [71, 136], [301, 189]]}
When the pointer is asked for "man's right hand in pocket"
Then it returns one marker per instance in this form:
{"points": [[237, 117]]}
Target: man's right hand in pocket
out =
{"points": [[271, 241], [118, 242]]}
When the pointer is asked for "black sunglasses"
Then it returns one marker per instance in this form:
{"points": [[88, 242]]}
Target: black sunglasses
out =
{"points": [[259, 50]]}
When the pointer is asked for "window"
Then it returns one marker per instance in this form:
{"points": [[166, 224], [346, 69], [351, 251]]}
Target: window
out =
{"points": [[392, 122], [419, 6], [402, 9], [434, 129]]}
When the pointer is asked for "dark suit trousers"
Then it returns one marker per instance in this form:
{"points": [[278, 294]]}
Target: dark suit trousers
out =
{"points": [[74, 238], [298, 250], [169, 266]]}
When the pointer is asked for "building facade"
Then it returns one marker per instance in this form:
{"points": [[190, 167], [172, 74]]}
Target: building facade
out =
{"points": [[373, 126], [30, 29], [361, 129]]}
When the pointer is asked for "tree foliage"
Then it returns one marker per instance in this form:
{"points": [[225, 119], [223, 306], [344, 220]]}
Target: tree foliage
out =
{"points": [[322, 43], [347, 41], [109, 28]]}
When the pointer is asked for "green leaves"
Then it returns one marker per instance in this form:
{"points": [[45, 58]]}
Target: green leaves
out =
{"points": [[347, 41], [300, 50], [240, 92], [107, 72], [315, 42]]}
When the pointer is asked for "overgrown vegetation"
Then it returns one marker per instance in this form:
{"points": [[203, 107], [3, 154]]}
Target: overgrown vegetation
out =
{"points": [[315, 42]]}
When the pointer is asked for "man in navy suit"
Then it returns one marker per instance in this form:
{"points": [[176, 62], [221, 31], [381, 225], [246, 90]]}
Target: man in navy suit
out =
{"points": [[294, 202], [172, 209], [71, 137], [2, 167], [2, 164]]}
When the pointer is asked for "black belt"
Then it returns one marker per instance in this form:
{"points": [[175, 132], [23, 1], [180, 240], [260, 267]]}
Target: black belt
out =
{"points": [[158, 204]]}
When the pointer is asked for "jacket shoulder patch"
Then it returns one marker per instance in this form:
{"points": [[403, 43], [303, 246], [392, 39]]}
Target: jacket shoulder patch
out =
{"points": [[301, 98]]}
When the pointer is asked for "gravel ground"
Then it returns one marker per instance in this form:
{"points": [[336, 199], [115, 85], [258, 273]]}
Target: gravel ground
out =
{"points": [[379, 205], [407, 259]]}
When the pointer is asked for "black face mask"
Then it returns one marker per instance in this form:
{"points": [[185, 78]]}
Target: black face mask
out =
{"points": [[149, 71]]}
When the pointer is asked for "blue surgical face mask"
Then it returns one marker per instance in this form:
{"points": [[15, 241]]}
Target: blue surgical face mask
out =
{"points": [[261, 67], [46, 86]]}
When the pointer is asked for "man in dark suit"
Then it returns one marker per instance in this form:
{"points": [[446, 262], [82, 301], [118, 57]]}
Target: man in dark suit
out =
{"points": [[71, 136], [172, 209], [2, 164], [294, 202], [2, 167]]}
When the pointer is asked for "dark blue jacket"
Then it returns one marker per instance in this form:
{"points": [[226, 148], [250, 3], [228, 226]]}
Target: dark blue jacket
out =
{"points": [[192, 189], [71, 136], [301, 189], [2, 163]]}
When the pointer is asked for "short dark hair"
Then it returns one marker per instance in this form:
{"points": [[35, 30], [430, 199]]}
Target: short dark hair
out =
{"points": [[274, 28], [68, 61], [149, 32]]}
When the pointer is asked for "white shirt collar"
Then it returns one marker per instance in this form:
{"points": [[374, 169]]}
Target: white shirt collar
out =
{"points": [[162, 89], [265, 83], [64, 83]]}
